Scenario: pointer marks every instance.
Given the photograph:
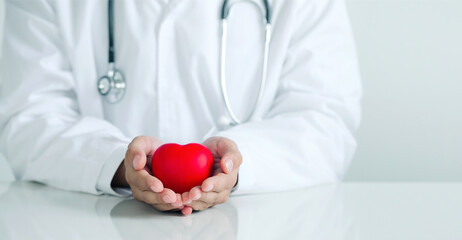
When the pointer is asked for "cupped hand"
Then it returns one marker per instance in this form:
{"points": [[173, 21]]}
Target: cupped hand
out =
{"points": [[145, 187], [216, 189]]}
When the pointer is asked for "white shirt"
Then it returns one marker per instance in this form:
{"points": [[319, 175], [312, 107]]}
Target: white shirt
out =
{"points": [[57, 129]]}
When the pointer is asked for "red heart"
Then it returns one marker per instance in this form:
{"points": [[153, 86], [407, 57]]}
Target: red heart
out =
{"points": [[182, 167]]}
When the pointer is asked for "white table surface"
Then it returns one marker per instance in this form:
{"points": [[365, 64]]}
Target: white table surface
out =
{"points": [[337, 211]]}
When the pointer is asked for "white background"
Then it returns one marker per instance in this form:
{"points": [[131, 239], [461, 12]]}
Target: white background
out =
{"points": [[411, 63], [411, 58]]}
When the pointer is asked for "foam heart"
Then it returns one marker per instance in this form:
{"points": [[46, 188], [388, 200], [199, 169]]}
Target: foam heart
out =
{"points": [[182, 167]]}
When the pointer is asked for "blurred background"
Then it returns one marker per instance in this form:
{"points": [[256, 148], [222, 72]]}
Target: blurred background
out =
{"points": [[411, 64]]}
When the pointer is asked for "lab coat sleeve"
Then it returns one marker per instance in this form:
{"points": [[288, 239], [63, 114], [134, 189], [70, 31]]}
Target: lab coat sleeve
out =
{"points": [[306, 136], [42, 132]]}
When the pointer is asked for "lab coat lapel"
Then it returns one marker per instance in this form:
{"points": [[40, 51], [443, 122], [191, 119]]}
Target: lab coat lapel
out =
{"points": [[92, 63]]}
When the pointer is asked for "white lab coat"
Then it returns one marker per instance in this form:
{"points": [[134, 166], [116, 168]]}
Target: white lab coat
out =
{"points": [[56, 128]]}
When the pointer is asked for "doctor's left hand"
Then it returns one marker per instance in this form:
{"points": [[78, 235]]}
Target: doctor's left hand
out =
{"points": [[216, 189]]}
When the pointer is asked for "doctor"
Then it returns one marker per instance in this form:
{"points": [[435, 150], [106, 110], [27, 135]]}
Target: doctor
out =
{"points": [[57, 126]]}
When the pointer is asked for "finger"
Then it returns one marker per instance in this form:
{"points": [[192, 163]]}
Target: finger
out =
{"points": [[231, 161], [164, 207], [222, 197], [219, 183], [178, 203], [165, 197], [199, 205], [195, 193], [154, 199], [137, 194], [187, 210], [217, 167], [168, 196], [145, 181], [230, 156], [209, 197], [185, 198], [138, 149], [214, 198]]}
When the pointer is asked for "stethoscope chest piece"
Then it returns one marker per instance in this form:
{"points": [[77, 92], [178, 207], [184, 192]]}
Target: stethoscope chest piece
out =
{"points": [[112, 86]]}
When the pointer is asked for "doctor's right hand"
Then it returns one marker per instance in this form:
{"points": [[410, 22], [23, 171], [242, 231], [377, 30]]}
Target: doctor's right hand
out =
{"points": [[145, 187]]}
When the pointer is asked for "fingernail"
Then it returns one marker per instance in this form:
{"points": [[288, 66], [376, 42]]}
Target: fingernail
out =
{"points": [[197, 197], [136, 161], [229, 165], [154, 189], [167, 199], [187, 211], [188, 202], [208, 188]]}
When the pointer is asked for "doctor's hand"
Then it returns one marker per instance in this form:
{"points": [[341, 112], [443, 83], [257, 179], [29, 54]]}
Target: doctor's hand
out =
{"points": [[216, 189], [145, 187]]}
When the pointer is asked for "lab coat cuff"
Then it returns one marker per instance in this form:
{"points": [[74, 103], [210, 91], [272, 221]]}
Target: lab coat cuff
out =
{"points": [[246, 181], [108, 171]]}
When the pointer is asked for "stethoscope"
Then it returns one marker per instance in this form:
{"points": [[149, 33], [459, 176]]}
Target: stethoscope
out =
{"points": [[113, 85]]}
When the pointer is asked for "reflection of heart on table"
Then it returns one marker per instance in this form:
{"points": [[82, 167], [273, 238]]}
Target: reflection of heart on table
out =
{"points": [[219, 222], [182, 167]]}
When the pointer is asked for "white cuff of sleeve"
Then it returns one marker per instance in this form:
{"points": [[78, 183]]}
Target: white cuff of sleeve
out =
{"points": [[107, 173], [246, 181]]}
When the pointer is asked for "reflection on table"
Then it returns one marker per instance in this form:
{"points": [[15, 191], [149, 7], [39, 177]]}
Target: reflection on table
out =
{"points": [[31, 210]]}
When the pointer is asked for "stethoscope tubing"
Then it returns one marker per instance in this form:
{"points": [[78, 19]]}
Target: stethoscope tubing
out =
{"points": [[224, 33], [118, 84]]}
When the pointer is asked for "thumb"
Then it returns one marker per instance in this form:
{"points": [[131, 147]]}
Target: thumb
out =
{"points": [[139, 161], [138, 149], [231, 157]]}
